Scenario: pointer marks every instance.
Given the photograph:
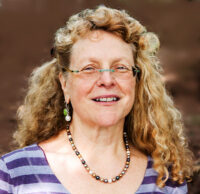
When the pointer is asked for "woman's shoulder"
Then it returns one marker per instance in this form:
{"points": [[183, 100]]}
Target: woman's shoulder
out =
{"points": [[16, 165], [28, 155], [21, 152]]}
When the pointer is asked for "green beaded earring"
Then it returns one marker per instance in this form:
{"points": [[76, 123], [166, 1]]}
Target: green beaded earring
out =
{"points": [[66, 113]]}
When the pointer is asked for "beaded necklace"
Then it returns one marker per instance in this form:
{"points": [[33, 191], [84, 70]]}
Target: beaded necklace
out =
{"points": [[92, 173]]}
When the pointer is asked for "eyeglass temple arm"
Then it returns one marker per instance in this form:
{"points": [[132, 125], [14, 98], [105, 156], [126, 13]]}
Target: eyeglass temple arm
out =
{"points": [[136, 70], [69, 70]]}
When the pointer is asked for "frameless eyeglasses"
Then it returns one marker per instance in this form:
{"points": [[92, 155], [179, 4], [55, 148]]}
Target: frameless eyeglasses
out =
{"points": [[120, 72]]}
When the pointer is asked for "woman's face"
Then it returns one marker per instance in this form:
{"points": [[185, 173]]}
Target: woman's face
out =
{"points": [[105, 99]]}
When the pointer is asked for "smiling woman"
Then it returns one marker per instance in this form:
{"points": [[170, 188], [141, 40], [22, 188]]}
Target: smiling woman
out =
{"points": [[92, 101], [97, 118]]}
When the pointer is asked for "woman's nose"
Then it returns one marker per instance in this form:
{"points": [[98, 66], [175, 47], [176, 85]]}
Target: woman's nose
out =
{"points": [[106, 79]]}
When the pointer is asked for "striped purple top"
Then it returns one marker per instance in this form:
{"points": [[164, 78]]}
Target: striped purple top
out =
{"points": [[26, 170]]}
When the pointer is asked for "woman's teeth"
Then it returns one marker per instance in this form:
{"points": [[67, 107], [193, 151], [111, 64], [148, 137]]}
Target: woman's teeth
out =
{"points": [[106, 99]]}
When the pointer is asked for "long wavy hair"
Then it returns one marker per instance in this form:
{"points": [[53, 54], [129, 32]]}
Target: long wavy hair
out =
{"points": [[154, 125]]}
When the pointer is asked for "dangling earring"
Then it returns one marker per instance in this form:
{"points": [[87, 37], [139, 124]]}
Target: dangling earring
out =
{"points": [[66, 113]]}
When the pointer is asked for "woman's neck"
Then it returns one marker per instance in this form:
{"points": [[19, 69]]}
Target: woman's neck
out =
{"points": [[97, 139], [93, 142]]}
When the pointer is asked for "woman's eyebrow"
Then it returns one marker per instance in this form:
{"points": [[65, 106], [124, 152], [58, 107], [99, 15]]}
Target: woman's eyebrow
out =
{"points": [[118, 60], [91, 59], [121, 59]]}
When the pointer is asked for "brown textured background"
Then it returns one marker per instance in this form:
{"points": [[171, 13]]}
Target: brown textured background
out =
{"points": [[27, 28]]}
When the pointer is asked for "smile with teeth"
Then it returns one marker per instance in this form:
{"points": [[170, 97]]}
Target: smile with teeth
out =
{"points": [[106, 99]]}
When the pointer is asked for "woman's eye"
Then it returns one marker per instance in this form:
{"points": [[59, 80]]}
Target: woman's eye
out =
{"points": [[88, 69], [121, 67]]}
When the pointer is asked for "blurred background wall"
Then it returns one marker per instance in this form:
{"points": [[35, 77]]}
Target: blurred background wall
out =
{"points": [[27, 29]]}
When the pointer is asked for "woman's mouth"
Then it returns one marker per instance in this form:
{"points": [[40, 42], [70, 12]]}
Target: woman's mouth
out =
{"points": [[110, 99], [106, 99]]}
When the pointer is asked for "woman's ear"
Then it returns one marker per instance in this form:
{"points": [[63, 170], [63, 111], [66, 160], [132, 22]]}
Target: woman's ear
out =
{"points": [[63, 83]]}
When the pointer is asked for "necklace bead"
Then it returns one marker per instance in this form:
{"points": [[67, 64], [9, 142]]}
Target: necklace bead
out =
{"points": [[97, 177]]}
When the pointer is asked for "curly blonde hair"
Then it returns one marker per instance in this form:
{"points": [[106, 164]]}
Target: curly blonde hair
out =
{"points": [[154, 125]]}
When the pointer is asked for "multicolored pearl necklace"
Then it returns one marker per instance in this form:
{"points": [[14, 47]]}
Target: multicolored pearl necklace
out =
{"points": [[94, 175]]}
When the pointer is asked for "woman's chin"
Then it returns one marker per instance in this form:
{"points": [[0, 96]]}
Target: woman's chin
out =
{"points": [[107, 121]]}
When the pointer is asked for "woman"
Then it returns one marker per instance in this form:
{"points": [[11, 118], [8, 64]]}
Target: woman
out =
{"points": [[119, 131]]}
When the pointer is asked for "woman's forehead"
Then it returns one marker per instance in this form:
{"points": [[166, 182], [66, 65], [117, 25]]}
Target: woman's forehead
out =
{"points": [[100, 45], [98, 37]]}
